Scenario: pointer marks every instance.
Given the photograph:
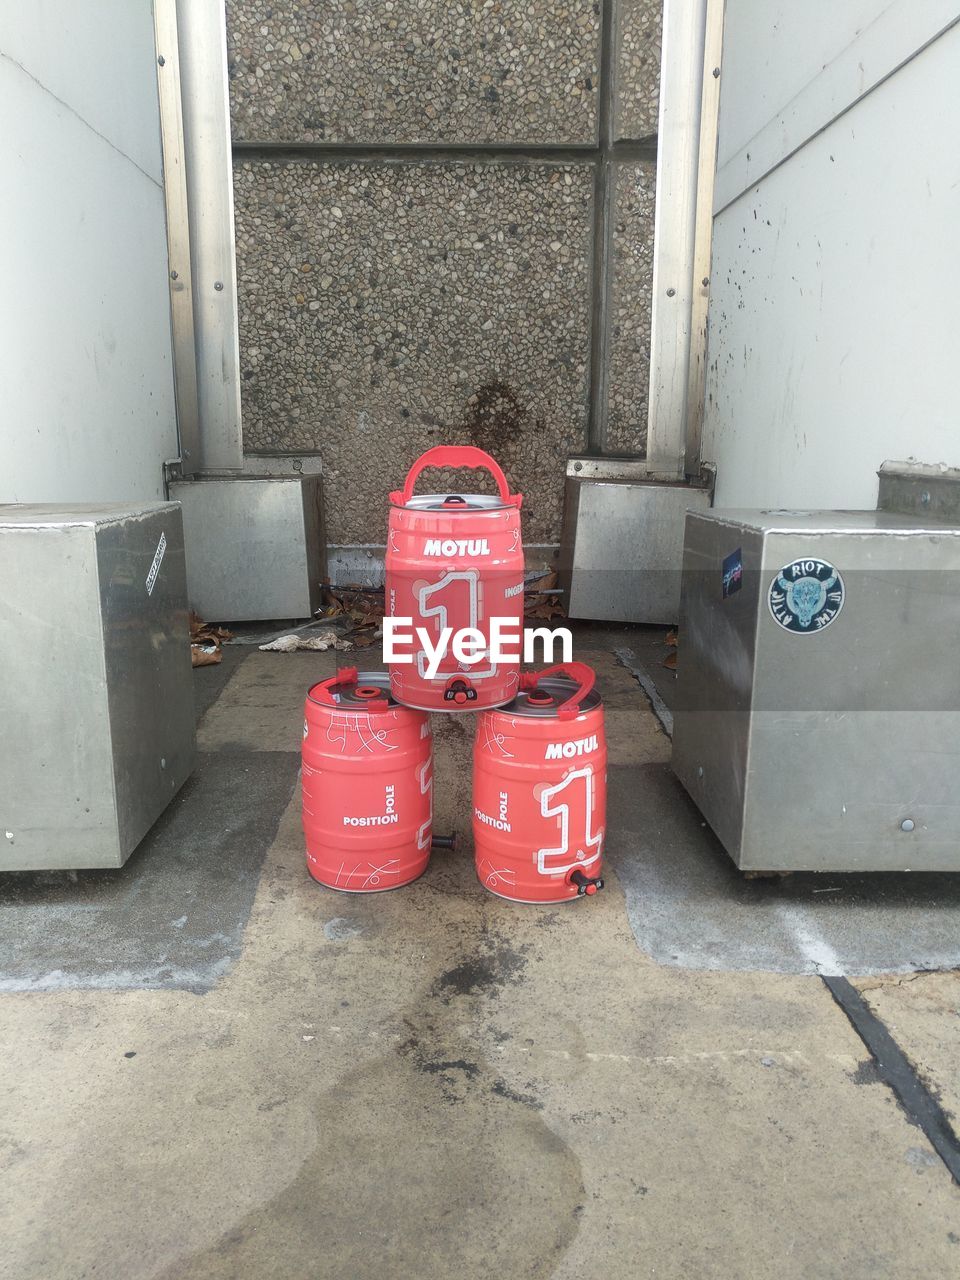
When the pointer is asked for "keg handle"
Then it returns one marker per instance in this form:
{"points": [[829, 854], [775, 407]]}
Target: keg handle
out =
{"points": [[447, 455], [578, 671], [344, 676]]}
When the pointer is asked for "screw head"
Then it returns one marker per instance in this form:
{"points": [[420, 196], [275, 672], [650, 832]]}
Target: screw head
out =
{"points": [[578, 466], [162, 61], [907, 824], [705, 281], [218, 285], [174, 275], [671, 293], [925, 498], [716, 72]]}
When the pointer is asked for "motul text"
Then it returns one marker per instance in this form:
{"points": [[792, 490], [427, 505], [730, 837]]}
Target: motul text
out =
{"points": [[456, 547], [567, 750]]}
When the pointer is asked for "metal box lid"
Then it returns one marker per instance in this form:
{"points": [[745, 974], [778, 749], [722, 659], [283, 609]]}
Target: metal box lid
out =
{"points": [[31, 515], [825, 522]]}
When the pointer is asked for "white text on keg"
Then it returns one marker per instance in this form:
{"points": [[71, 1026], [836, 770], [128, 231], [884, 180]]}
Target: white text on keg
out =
{"points": [[456, 547], [577, 747]]}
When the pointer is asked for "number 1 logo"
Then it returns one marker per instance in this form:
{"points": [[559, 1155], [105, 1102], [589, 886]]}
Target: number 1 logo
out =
{"points": [[549, 809]]}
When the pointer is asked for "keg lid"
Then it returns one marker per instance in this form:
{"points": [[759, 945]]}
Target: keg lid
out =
{"points": [[355, 690], [545, 699], [453, 503]]}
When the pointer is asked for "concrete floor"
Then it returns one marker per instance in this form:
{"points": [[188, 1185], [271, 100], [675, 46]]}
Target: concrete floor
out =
{"points": [[434, 1082]]}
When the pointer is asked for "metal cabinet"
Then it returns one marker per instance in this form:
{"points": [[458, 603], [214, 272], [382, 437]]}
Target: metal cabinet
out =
{"points": [[255, 545], [96, 697], [817, 723], [623, 540]]}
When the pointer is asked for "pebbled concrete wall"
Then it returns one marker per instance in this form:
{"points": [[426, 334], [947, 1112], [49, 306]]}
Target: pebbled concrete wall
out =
{"points": [[633, 192], [388, 308], [412, 71], [637, 51], [413, 268]]}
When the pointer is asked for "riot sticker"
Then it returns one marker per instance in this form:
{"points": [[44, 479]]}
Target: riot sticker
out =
{"points": [[806, 596]]}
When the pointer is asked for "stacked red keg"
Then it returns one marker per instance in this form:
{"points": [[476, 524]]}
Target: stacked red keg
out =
{"points": [[455, 569]]}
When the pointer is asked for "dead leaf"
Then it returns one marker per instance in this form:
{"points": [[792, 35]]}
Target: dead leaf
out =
{"points": [[362, 605], [205, 641], [205, 655], [543, 602], [544, 611]]}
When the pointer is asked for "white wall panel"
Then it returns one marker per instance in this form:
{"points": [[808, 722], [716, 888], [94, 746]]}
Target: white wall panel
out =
{"points": [[791, 69], [772, 49], [97, 57], [832, 341], [88, 407]]}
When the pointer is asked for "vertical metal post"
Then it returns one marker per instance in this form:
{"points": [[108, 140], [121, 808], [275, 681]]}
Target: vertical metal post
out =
{"points": [[209, 181], [703, 232], [678, 161], [178, 234]]}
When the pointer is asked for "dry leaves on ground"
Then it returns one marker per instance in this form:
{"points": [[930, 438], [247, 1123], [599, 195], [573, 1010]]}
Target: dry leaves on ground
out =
{"points": [[206, 641], [541, 598], [672, 642], [360, 607]]}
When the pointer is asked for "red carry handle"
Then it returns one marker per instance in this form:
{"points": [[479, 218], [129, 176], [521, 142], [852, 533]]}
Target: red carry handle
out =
{"points": [[578, 671], [445, 455], [321, 692]]}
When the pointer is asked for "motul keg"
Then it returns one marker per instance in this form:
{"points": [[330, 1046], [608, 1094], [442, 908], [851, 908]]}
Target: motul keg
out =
{"points": [[455, 560], [539, 789], [367, 784]]}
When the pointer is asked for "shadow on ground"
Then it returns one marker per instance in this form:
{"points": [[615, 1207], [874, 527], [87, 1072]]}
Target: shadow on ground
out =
{"points": [[690, 906]]}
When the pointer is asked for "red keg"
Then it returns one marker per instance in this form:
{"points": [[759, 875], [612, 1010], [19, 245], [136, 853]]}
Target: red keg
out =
{"points": [[367, 784], [539, 789], [455, 560]]}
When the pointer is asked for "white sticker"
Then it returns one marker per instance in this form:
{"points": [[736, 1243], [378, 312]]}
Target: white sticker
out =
{"points": [[157, 562]]}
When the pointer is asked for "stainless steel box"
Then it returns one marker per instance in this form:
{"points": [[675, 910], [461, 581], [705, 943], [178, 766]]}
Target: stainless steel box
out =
{"points": [[622, 540], [256, 547], [817, 722], [96, 700]]}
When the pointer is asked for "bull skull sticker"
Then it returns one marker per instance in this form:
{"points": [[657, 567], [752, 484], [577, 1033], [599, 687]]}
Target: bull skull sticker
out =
{"points": [[806, 596]]}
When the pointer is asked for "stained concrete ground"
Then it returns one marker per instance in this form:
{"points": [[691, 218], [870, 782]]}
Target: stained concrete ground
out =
{"points": [[434, 1082]]}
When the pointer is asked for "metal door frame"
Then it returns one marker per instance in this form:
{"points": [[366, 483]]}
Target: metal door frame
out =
{"points": [[193, 86], [686, 166]]}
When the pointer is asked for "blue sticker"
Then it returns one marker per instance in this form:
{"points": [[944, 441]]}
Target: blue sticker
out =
{"points": [[806, 596], [732, 572]]}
